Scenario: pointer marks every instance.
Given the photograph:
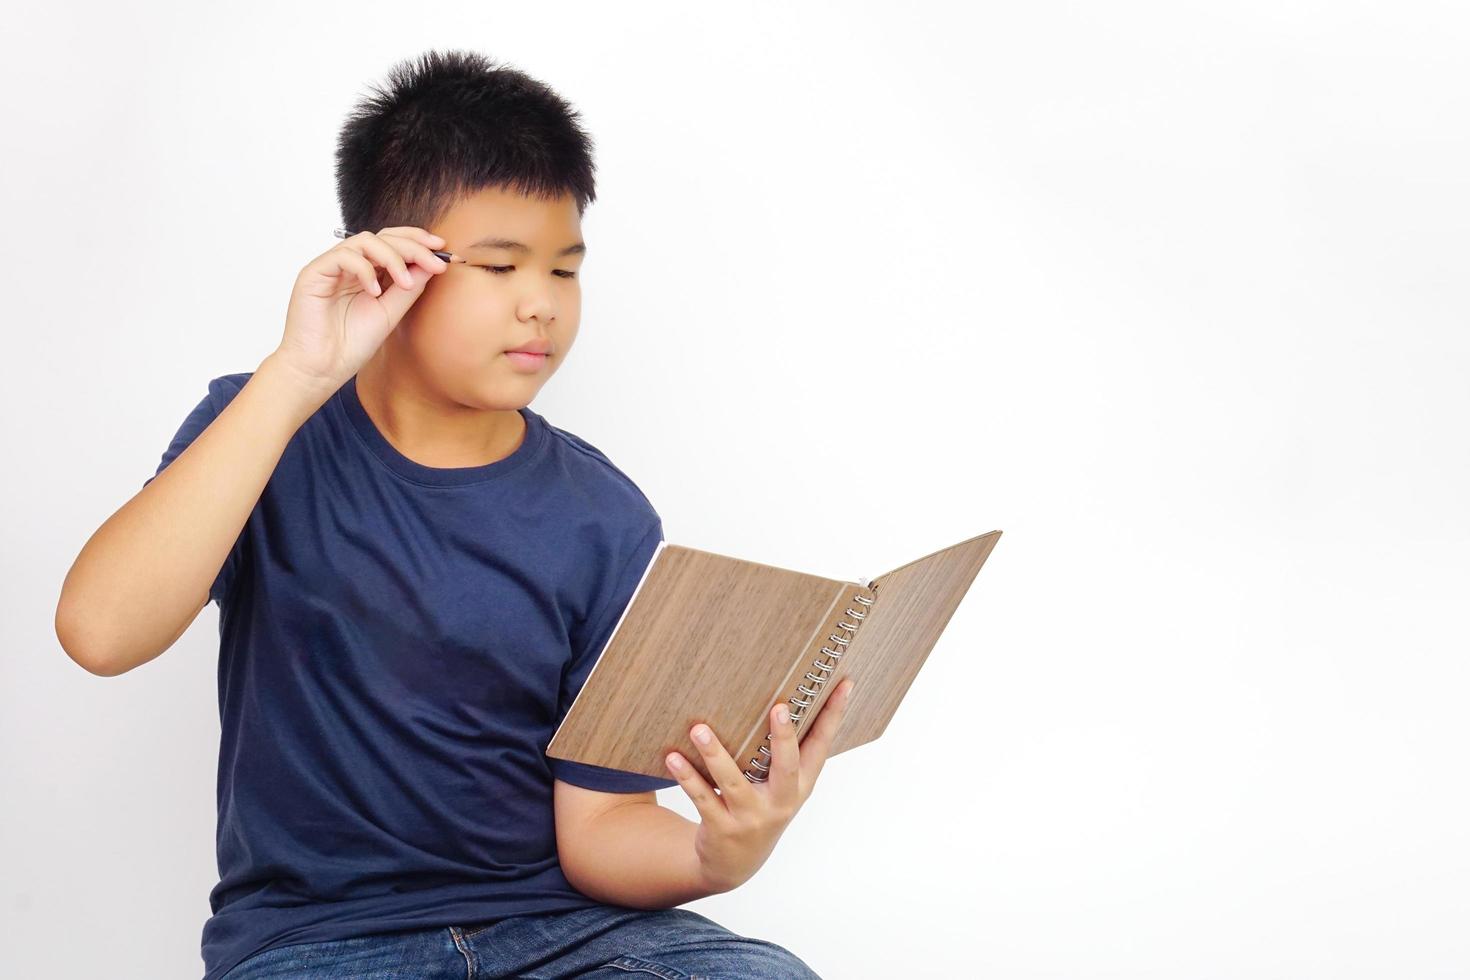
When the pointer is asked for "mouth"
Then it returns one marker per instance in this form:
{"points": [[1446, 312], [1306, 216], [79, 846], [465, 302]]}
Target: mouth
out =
{"points": [[526, 361]]}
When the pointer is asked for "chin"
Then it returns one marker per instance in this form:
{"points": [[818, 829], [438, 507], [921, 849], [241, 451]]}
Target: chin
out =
{"points": [[497, 394]]}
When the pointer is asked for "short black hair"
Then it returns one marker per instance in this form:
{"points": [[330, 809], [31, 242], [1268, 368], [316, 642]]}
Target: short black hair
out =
{"points": [[449, 124]]}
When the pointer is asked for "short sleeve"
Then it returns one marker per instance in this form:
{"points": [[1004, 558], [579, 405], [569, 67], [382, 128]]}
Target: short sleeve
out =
{"points": [[221, 392], [587, 647]]}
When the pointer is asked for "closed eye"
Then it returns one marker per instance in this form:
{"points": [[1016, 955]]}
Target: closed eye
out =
{"points": [[501, 270]]}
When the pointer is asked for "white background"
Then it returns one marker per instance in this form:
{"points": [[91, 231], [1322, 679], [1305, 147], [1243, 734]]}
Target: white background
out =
{"points": [[1172, 294]]}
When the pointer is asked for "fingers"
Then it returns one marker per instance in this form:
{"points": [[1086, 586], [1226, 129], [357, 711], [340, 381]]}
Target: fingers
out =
{"points": [[792, 769], [711, 808], [784, 778], [350, 262], [393, 252], [382, 254], [819, 738], [412, 248], [727, 775], [428, 239]]}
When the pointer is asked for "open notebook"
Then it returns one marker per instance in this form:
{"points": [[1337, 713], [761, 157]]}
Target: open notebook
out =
{"points": [[707, 637]]}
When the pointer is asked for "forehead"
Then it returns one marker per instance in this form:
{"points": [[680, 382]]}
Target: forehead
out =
{"points": [[494, 212]]}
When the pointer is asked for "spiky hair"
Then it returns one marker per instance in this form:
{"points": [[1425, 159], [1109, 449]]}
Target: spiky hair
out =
{"points": [[449, 124]]}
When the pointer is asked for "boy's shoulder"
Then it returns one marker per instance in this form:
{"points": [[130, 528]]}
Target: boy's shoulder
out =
{"points": [[594, 464]]}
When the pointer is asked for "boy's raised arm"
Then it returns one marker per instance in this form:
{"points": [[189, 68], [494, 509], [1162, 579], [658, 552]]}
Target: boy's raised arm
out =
{"points": [[145, 574]]}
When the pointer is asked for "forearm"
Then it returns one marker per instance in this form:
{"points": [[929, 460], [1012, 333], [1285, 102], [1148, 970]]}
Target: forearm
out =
{"points": [[640, 855], [145, 573]]}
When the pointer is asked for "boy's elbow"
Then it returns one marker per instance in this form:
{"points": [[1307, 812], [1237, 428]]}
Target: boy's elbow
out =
{"points": [[576, 811], [98, 658], [571, 856], [84, 650], [85, 645], [100, 646], [101, 668], [68, 634], [85, 657]]}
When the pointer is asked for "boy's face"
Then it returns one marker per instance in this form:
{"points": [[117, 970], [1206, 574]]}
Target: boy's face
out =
{"points": [[470, 315]]}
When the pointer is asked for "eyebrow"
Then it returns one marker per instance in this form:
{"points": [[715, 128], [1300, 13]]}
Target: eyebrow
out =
{"points": [[496, 242]]}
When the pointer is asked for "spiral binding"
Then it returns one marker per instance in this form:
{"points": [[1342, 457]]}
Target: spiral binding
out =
{"points": [[798, 704]]}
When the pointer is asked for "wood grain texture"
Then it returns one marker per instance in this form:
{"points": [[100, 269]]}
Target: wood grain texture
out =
{"points": [[706, 637], [914, 604], [713, 638]]}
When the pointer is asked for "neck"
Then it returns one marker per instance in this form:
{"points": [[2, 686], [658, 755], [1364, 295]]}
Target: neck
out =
{"points": [[427, 426]]}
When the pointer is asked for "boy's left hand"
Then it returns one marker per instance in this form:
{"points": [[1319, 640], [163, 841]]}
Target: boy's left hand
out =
{"points": [[740, 826]]}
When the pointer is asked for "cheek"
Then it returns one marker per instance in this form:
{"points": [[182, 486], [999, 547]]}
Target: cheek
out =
{"points": [[450, 342]]}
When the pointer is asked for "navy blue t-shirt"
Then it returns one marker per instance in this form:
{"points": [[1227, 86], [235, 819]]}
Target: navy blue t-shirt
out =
{"points": [[398, 643]]}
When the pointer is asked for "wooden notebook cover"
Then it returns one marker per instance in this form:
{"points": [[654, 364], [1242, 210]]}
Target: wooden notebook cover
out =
{"points": [[914, 604], [705, 637], [708, 637]]}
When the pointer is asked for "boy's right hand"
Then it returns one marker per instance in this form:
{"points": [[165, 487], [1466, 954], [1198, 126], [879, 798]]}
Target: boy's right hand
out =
{"points": [[340, 314]]}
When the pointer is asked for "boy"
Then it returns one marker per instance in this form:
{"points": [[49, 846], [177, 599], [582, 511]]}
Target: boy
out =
{"points": [[415, 574]]}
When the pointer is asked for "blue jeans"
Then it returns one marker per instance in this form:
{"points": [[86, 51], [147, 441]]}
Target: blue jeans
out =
{"points": [[602, 942]]}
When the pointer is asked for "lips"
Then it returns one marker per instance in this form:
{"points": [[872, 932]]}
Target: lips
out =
{"points": [[525, 362]]}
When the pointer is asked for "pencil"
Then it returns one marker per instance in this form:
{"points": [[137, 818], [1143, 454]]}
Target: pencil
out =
{"points": [[446, 256]]}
